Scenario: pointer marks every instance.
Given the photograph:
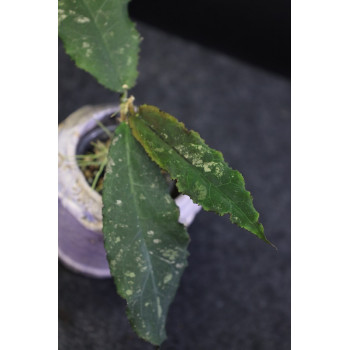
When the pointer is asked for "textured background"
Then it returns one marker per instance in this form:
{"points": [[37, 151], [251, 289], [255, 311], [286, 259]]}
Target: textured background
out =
{"points": [[235, 294]]}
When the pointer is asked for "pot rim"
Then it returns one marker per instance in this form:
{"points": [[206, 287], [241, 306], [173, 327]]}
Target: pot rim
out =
{"points": [[75, 193]]}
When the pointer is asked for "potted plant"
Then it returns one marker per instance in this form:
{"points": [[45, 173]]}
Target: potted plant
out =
{"points": [[146, 245], [83, 140]]}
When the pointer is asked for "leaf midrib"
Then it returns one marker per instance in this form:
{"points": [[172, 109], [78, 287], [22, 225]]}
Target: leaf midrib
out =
{"points": [[132, 189], [106, 46]]}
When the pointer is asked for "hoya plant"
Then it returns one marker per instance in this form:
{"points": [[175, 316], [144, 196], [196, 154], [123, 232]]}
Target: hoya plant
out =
{"points": [[146, 245]]}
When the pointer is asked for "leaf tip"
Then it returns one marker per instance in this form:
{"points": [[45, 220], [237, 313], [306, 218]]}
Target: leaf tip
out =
{"points": [[270, 243], [261, 235]]}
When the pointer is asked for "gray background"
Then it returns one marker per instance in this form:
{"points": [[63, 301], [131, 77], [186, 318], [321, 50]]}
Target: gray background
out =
{"points": [[235, 293]]}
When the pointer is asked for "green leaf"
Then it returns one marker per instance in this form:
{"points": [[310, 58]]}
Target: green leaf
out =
{"points": [[145, 244], [101, 39], [200, 171]]}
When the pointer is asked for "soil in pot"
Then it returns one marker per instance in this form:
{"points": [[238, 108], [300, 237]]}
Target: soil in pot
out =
{"points": [[92, 153]]}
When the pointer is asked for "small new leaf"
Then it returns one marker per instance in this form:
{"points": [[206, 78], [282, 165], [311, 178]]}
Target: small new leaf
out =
{"points": [[101, 39], [146, 246], [200, 171]]}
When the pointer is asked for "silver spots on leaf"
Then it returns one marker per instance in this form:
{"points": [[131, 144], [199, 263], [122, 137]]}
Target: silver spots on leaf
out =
{"points": [[130, 274], [82, 19], [61, 16], [168, 277]]}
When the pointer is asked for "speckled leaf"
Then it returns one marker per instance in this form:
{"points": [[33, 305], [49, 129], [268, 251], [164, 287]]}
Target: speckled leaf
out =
{"points": [[145, 244], [200, 171], [101, 39]]}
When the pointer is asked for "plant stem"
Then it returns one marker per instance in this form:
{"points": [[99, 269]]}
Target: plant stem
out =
{"points": [[110, 135], [100, 170], [126, 105]]}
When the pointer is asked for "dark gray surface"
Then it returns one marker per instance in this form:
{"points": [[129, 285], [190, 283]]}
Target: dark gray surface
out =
{"points": [[235, 294], [256, 31]]}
